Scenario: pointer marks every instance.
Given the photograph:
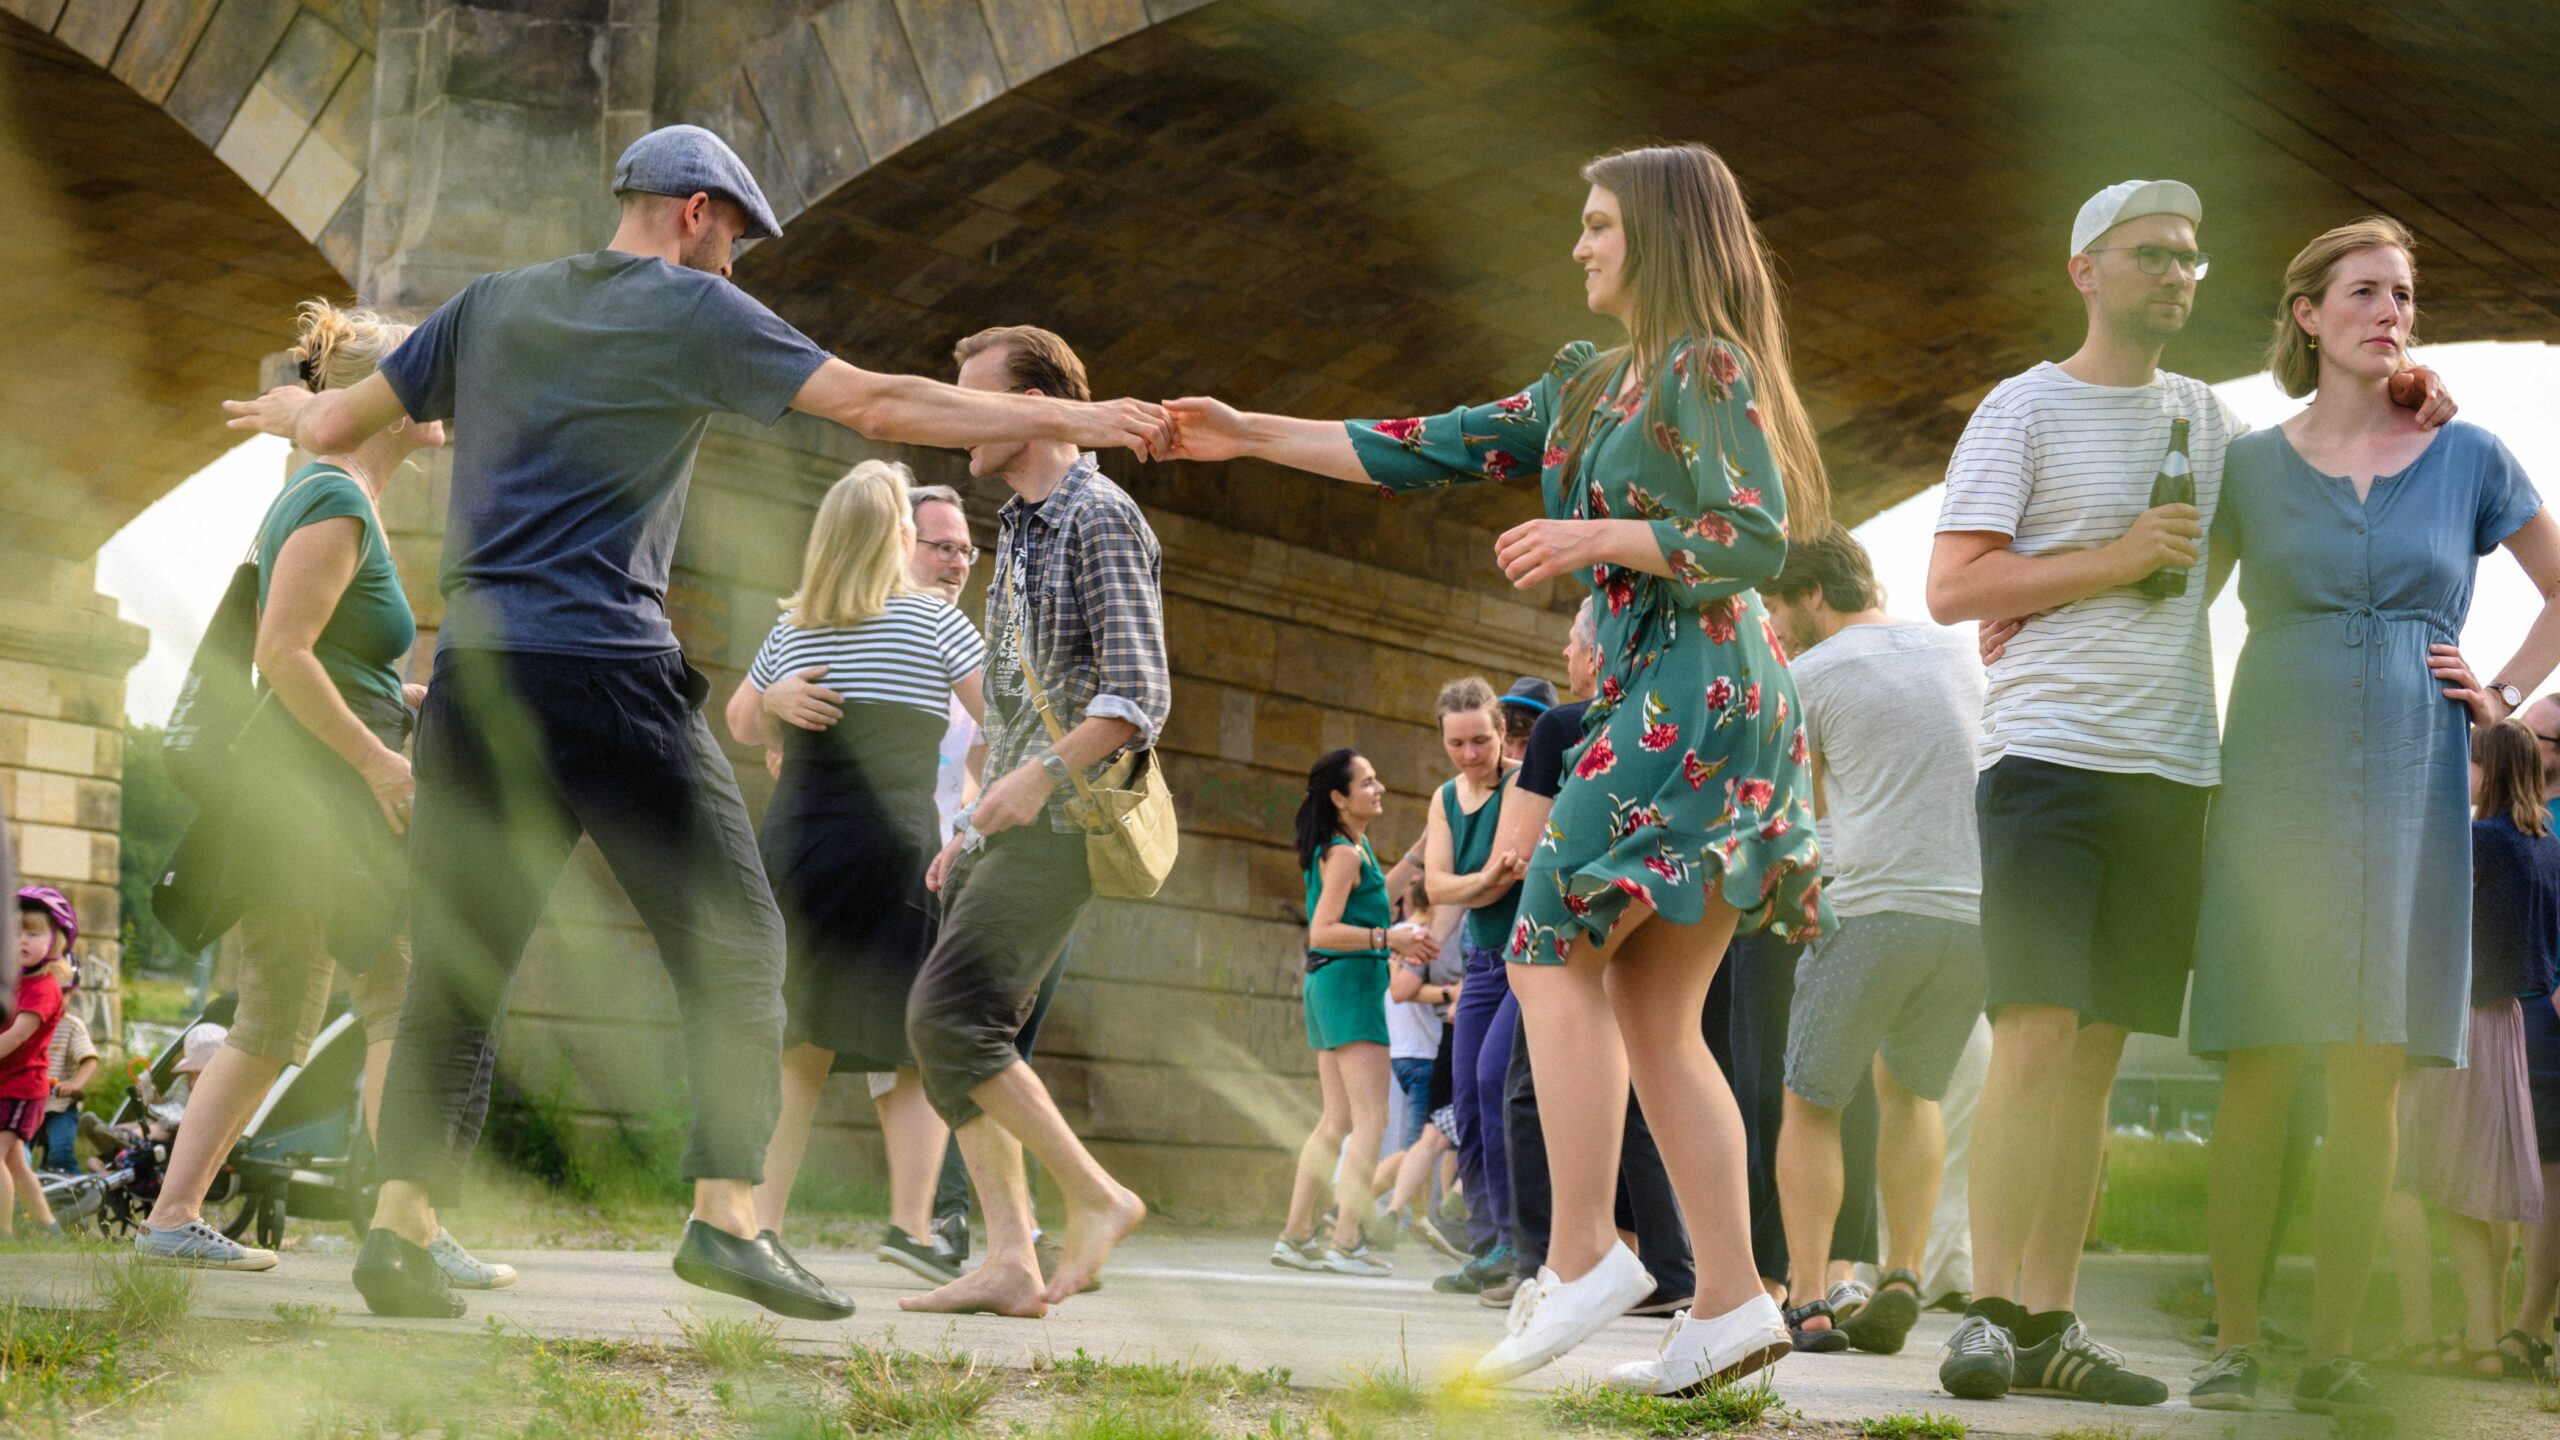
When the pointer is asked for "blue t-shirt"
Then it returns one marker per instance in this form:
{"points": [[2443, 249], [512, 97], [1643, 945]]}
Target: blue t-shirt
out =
{"points": [[2515, 911], [579, 390]]}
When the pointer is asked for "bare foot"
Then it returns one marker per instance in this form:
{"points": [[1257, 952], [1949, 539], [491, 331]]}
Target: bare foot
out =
{"points": [[1091, 1232], [994, 1288]]}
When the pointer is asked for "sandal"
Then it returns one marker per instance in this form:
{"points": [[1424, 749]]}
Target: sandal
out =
{"points": [[2534, 1364], [1826, 1341], [1885, 1321]]}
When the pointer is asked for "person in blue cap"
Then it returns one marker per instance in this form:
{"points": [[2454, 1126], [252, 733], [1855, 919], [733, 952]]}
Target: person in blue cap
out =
{"points": [[561, 705]]}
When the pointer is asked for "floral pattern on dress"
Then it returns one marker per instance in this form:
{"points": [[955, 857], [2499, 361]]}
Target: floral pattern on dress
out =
{"points": [[1692, 771]]}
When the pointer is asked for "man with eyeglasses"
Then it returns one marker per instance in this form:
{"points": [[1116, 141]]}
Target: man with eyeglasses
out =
{"points": [[2099, 753], [2542, 717]]}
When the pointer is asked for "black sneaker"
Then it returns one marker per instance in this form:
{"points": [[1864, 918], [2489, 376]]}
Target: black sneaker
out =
{"points": [[927, 1262], [1981, 1360], [2070, 1364], [951, 1237], [2229, 1383], [2337, 1388], [398, 1278], [1662, 1301]]}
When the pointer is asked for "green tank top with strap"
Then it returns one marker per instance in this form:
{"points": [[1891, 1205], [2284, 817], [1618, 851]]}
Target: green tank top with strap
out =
{"points": [[1367, 908], [1471, 845]]}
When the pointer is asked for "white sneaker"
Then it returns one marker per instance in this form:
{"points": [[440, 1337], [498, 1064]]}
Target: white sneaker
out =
{"points": [[198, 1246], [1359, 1260], [1698, 1354], [1549, 1316], [466, 1271]]}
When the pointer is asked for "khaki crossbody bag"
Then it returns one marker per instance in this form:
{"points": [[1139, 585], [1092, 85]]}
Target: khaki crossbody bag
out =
{"points": [[1130, 838]]}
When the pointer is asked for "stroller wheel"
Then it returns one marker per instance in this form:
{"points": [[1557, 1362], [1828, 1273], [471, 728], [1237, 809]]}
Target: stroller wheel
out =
{"points": [[243, 1216], [271, 1222]]}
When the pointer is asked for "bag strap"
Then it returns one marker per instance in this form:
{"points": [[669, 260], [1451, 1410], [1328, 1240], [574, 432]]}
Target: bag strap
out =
{"points": [[1039, 696], [317, 470]]}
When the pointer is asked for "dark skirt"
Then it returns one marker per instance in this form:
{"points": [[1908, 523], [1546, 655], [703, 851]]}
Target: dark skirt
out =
{"points": [[846, 842], [2542, 1073]]}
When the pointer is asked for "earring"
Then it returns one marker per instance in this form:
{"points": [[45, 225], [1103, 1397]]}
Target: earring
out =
{"points": [[2313, 342]]}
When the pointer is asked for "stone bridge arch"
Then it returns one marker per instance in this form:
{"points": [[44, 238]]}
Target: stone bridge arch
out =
{"points": [[1317, 205]]}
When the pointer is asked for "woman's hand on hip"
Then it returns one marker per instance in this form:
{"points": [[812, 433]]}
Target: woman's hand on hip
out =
{"points": [[2464, 687], [394, 787]]}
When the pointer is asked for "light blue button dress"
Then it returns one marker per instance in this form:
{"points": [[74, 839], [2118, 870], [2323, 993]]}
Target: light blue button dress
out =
{"points": [[2337, 902]]}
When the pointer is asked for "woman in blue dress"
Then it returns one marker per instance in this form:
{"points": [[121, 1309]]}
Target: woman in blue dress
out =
{"points": [[1672, 466], [2338, 856]]}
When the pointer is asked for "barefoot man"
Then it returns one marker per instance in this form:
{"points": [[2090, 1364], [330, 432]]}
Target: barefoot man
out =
{"points": [[1078, 590]]}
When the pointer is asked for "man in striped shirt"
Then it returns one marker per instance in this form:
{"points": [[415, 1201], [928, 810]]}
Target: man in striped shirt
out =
{"points": [[2099, 753], [1077, 593]]}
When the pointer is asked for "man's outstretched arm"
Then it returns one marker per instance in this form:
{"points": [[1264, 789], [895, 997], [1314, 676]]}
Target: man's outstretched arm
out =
{"points": [[331, 422], [912, 410]]}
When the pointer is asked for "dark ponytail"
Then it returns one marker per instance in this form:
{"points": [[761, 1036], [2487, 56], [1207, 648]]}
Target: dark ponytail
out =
{"points": [[1318, 819]]}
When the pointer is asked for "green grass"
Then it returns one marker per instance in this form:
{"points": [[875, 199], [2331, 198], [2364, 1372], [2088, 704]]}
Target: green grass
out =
{"points": [[1592, 1407], [902, 1392], [141, 1300], [1086, 1374], [155, 1000], [299, 1317], [1924, 1426], [731, 1346], [2092, 1432]]}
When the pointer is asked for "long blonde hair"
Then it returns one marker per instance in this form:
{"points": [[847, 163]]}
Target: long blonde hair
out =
{"points": [[1696, 265], [857, 556], [2290, 355], [337, 347], [2510, 761]]}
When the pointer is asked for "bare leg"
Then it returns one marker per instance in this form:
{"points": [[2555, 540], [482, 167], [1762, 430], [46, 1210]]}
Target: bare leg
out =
{"points": [[401, 1207], [1324, 1143], [2413, 1266], [1100, 1210], [22, 1175], [1809, 1185], [2031, 1047], [2480, 1251], [1412, 1192], [728, 1205], [804, 1079], [914, 1137], [1911, 1154], [377, 1068], [1657, 984], [2240, 1182], [2355, 1178], [2074, 1145], [1008, 1281], [1582, 1095], [1363, 1066], [218, 1110]]}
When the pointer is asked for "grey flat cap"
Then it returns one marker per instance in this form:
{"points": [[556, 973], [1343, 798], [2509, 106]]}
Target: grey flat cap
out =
{"points": [[682, 160]]}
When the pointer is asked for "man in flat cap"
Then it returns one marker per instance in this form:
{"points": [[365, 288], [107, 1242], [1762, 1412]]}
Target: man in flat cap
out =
{"points": [[561, 705]]}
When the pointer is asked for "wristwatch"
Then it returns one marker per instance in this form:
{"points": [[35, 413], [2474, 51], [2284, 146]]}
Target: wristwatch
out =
{"points": [[1057, 768], [2504, 691]]}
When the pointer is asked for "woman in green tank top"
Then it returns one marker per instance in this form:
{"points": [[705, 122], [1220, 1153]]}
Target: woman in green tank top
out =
{"points": [[1351, 932]]}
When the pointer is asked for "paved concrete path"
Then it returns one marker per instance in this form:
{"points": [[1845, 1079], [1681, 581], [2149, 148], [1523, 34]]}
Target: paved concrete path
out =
{"points": [[1191, 1300]]}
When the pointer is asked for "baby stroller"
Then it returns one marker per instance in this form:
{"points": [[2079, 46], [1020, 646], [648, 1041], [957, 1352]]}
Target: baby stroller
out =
{"points": [[304, 1153]]}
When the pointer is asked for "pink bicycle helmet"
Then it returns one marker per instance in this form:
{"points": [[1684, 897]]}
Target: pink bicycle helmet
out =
{"points": [[50, 902]]}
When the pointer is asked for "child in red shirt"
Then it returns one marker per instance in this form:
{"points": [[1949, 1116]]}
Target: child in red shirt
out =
{"points": [[46, 927]]}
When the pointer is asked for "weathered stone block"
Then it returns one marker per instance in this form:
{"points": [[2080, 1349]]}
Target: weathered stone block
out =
{"points": [[93, 28], [315, 183], [226, 61], [308, 64], [156, 45], [262, 137], [1097, 23], [955, 52], [524, 58], [1032, 37], [63, 748], [52, 852], [798, 94], [876, 68]]}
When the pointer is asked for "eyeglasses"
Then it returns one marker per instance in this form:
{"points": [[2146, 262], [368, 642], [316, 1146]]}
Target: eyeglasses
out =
{"points": [[953, 551], [2545, 739], [2154, 259]]}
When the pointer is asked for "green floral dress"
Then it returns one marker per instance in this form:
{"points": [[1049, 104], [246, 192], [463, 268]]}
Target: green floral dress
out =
{"points": [[1692, 769]]}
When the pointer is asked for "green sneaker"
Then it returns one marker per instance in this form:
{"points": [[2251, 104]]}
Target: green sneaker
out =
{"points": [[2230, 1382]]}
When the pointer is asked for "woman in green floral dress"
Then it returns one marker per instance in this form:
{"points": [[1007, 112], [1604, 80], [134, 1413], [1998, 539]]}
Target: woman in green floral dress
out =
{"points": [[1671, 465]]}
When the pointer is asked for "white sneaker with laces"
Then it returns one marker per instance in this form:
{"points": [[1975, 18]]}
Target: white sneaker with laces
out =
{"points": [[466, 1271], [1697, 1354], [1550, 1316], [198, 1246]]}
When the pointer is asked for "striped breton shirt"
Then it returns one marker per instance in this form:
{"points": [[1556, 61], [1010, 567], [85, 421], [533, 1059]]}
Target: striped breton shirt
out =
{"points": [[2116, 681], [911, 653]]}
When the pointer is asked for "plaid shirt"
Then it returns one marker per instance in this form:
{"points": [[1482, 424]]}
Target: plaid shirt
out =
{"points": [[1081, 575]]}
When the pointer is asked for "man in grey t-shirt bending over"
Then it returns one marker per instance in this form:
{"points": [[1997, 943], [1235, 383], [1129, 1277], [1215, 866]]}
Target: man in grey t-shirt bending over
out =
{"points": [[561, 704], [1892, 713]]}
